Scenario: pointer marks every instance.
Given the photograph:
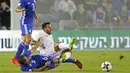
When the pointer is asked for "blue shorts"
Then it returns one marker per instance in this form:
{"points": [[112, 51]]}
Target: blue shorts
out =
{"points": [[26, 27]]}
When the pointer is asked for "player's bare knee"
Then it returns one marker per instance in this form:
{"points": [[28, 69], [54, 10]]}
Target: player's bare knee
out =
{"points": [[28, 38], [23, 38]]}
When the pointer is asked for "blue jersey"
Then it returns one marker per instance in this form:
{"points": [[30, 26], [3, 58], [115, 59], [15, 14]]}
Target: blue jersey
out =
{"points": [[36, 61], [27, 19]]}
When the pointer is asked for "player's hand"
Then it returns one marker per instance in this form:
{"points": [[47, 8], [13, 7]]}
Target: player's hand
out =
{"points": [[47, 63], [34, 69]]}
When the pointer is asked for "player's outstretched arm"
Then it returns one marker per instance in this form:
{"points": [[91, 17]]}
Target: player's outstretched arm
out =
{"points": [[33, 42], [47, 64], [18, 9], [35, 47]]}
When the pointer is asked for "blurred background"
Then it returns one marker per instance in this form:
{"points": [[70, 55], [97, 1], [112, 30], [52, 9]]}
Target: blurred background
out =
{"points": [[84, 14], [74, 14], [97, 24]]}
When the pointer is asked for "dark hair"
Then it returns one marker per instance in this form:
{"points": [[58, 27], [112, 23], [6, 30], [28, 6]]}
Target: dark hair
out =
{"points": [[6, 1], [3, 1], [45, 24], [22, 60]]}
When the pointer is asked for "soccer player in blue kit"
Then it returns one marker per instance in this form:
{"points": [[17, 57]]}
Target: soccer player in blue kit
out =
{"points": [[27, 7], [39, 63]]}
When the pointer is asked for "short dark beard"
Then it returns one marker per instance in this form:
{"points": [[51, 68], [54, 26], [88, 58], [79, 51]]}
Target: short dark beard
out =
{"points": [[49, 33]]}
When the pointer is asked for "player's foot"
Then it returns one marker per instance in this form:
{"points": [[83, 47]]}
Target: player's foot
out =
{"points": [[72, 43], [63, 57], [79, 64], [13, 60]]}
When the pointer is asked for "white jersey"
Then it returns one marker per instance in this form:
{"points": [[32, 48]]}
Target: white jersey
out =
{"points": [[47, 43]]}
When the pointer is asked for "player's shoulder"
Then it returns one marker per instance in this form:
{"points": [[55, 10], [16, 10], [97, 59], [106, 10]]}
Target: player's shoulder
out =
{"points": [[42, 34]]}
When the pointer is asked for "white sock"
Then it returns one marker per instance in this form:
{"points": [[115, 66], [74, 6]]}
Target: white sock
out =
{"points": [[63, 46], [68, 54]]}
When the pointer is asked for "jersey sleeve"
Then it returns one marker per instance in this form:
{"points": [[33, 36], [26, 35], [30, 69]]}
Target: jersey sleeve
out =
{"points": [[26, 69], [21, 4]]}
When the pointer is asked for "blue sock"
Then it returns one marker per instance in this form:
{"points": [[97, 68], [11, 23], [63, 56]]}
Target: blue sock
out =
{"points": [[26, 49], [27, 53], [26, 46], [19, 50], [70, 60]]}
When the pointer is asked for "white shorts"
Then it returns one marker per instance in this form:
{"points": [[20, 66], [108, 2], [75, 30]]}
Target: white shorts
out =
{"points": [[48, 51], [58, 54]]}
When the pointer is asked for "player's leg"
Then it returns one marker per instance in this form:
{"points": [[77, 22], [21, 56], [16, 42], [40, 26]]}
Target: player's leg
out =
{"points": [[18, 52], [20, 48], [75, 61], [67, 53], [27, 31], [60, 45], [73, 41], [28, 53], [26, 44], [56, 60]]}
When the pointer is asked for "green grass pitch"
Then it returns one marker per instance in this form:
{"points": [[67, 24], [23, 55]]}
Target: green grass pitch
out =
{"points": [[91, 62]]}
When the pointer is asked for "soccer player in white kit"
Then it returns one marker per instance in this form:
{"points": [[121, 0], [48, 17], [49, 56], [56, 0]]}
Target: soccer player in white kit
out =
{"points": [[48, 48], [47, 43]]}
